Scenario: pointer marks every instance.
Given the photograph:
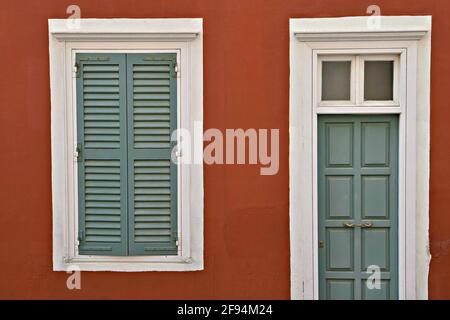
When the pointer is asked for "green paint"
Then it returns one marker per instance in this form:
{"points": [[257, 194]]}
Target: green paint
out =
{"points": [[127, 184], [152, 116], [357, 184]]}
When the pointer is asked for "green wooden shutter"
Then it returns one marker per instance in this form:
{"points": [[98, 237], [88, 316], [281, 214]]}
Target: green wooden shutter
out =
{"points": [[102, 162], [152, 177]]}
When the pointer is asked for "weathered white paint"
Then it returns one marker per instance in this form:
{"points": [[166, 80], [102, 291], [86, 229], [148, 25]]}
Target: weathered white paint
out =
{"points": [[406, 36], [182, 36]]}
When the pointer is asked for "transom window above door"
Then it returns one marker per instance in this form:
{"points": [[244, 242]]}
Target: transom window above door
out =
{"points": [[358, 80]]}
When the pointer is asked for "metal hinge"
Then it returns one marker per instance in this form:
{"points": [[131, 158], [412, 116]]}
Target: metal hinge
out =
{"points": [[76, 70], [95, 59], [175, 238], [176, 69], [78, 152], [321, 244]]}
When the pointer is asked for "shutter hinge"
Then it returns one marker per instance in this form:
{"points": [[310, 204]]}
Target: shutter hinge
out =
{"points": [[76, 70], [95, 59], [80, 235], [175, 238], [78, 152], [176, 69]]}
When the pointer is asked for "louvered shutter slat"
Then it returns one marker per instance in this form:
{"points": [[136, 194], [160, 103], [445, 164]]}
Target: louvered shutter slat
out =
{"points": [[152, 116], [102, 178]]}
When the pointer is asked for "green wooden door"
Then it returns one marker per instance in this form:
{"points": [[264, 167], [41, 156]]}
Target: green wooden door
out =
{"points": [[358, 206]]}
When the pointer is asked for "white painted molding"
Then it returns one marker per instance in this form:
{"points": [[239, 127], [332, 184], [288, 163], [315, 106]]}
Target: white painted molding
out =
{"points": [[145, 36], [359, 36], [181, 36], [346, 36], [375, 24], [373, 28], [125, 29]]}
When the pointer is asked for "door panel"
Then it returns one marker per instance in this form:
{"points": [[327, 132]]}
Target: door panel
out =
{"points": [[375, 144], [340, 249], [381, 294], [375, 197], [375, 248], [340, 289], [340, 142], [339, 197], [358, 206]]}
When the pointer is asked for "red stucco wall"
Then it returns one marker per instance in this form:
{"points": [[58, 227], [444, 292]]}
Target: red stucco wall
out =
{"points": [[246, 72]]}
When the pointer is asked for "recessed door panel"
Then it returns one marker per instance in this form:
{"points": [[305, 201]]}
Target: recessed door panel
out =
{"points": [[339, 144], [375, 197], [358, 206], [381, 293], [375, 144], [340, 249], [339, 197], [375, 248], [340, 289]]}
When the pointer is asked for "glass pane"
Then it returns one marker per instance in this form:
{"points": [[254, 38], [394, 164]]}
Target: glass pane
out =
{"points": [[378, 80], [336, 80]]}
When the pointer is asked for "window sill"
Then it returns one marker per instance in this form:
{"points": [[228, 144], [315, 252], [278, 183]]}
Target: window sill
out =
{"points": [[129, 264]]}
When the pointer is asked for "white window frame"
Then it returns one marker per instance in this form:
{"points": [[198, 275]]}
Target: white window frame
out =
{"points": [[68, 37], [409, 37]]}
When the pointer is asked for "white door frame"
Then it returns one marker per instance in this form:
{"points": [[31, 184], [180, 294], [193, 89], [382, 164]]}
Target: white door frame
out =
{"points": [[409, 37]]}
